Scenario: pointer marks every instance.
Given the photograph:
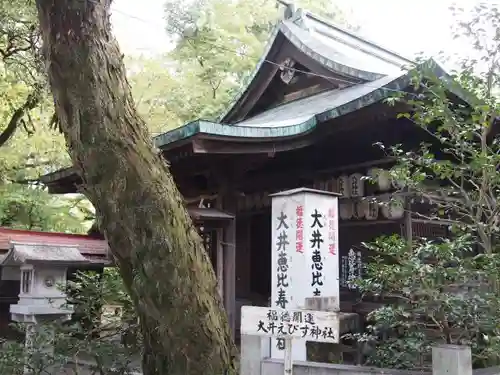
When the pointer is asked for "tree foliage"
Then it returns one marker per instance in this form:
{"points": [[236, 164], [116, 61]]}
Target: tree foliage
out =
{"points": [[436, 292], [29, 147], [21, 75], [217, 46]]}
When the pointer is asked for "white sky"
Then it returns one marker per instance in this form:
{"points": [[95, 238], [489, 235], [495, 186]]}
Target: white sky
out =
{"points": [[405, 26]]}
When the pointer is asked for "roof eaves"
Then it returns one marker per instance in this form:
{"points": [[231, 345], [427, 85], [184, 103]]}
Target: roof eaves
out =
{"points": [[398, 83], [222, 130], [238, 131], [57, 175], [177, 134]]}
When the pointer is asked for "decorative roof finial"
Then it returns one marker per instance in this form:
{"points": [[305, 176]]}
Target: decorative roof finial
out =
{"points": [[289, 10]]}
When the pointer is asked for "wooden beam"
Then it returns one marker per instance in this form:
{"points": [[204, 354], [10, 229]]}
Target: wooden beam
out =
{"points": [[270, 178], [365, 223], [216, 145]]}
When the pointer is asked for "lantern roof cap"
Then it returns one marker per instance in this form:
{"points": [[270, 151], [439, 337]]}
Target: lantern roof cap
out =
{"points": [[54, 254]]}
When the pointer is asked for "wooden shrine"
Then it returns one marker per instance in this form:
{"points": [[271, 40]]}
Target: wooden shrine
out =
{"points": [[307, 118]]}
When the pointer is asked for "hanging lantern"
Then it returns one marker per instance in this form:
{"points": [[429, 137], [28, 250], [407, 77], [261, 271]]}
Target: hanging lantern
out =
{"points": [[359, 208], [393, 208], [343, 186], [381, 178], [371, 209], [356, 185], [345, 209]]}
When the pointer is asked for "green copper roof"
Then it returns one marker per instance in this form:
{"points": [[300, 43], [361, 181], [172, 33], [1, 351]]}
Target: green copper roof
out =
{"points": [[338, 50], [294, 118], [303, 115]]}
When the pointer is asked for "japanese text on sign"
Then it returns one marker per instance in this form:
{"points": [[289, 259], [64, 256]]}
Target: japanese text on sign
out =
{"points": [[282, 266], [352, 269], [316, 242], [332, 232], [300, 324], [299, 246]]}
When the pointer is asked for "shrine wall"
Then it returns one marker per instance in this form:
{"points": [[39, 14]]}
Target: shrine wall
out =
{"points": [[272, 366]]}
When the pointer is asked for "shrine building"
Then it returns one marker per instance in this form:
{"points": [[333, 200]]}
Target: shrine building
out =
{"points": [[309, 116]]}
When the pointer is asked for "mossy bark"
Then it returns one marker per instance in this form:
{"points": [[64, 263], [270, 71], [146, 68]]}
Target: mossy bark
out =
{"points": [[159, 253]]}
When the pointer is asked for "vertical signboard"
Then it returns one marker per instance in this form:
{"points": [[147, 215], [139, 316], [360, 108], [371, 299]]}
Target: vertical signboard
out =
{"points": [[304, 254]]}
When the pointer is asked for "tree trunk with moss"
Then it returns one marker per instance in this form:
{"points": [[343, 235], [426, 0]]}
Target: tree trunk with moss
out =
{"points": [[159, 253]]}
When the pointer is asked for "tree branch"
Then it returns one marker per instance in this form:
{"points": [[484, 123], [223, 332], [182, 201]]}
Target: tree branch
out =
{"points": [[31, 102]]}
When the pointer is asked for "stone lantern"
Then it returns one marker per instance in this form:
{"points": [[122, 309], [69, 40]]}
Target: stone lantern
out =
{"points": [[42, 278], [42, 299]]}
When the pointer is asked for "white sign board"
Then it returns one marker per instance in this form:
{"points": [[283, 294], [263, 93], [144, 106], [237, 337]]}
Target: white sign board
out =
{"points": [[320, 326], [305, 260]]}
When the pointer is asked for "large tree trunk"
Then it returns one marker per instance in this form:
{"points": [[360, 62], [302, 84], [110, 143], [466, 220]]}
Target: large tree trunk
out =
{"points": [[159, 253]]}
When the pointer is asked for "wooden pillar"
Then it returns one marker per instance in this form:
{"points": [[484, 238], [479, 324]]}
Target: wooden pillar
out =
{"points": [[229, 242], [226, 274], [408, 223], [228, 202]]}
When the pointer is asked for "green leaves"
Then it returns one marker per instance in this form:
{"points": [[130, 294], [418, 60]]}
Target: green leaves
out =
{"points": [[87, 337], [217, 46], [435, 292]]}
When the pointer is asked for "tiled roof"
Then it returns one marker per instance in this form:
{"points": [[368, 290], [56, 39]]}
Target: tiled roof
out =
{"points": [[85, 244]]}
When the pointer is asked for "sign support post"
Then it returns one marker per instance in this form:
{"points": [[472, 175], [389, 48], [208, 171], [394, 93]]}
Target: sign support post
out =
{"points": [[288, 365]]}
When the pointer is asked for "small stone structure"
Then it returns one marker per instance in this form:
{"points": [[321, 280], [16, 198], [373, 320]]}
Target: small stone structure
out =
{"points": [[42, 271], [42, 299]]}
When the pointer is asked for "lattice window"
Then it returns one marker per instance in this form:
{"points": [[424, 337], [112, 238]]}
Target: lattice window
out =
{"points": [[426, 230], [26, 281]]}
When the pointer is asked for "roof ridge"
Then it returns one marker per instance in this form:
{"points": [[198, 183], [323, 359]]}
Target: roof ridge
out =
{"points": [[302, 13]]}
